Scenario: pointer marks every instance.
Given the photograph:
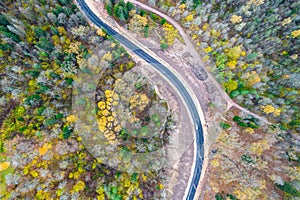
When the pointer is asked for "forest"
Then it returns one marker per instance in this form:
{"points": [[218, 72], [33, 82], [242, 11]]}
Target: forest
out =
{"points": [[252, 49], [44, 45]]}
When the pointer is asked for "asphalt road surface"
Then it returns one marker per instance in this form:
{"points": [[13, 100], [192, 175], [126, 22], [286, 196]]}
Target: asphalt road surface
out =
{"points": [[173, 79]]}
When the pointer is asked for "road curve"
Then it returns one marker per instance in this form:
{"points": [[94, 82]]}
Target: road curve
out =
{"points": [[173, 79], [195, 54]]}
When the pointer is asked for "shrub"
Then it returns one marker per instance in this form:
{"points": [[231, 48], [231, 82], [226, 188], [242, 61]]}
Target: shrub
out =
{"points": [[252, 125], [242, 124], [246, 159], [163, 21], [234, 93], [67, 132], [225, 125], [219, 197], [164, 46], [289, 189], [146, 31], [236, 118], [222, 196], [34, 100]]}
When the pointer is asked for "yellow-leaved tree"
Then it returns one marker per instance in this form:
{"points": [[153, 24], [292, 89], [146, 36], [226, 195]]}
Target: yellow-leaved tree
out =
{"points": [[139, 101], [269, 109], [231, 85], [251, 78], [138, 23], [170, 33]]}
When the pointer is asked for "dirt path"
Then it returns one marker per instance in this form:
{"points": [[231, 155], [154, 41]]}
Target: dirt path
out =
{"points": [[196, 57]]}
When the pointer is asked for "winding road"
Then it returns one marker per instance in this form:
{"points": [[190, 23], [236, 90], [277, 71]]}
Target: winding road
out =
{"points": [[173, 79]]}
